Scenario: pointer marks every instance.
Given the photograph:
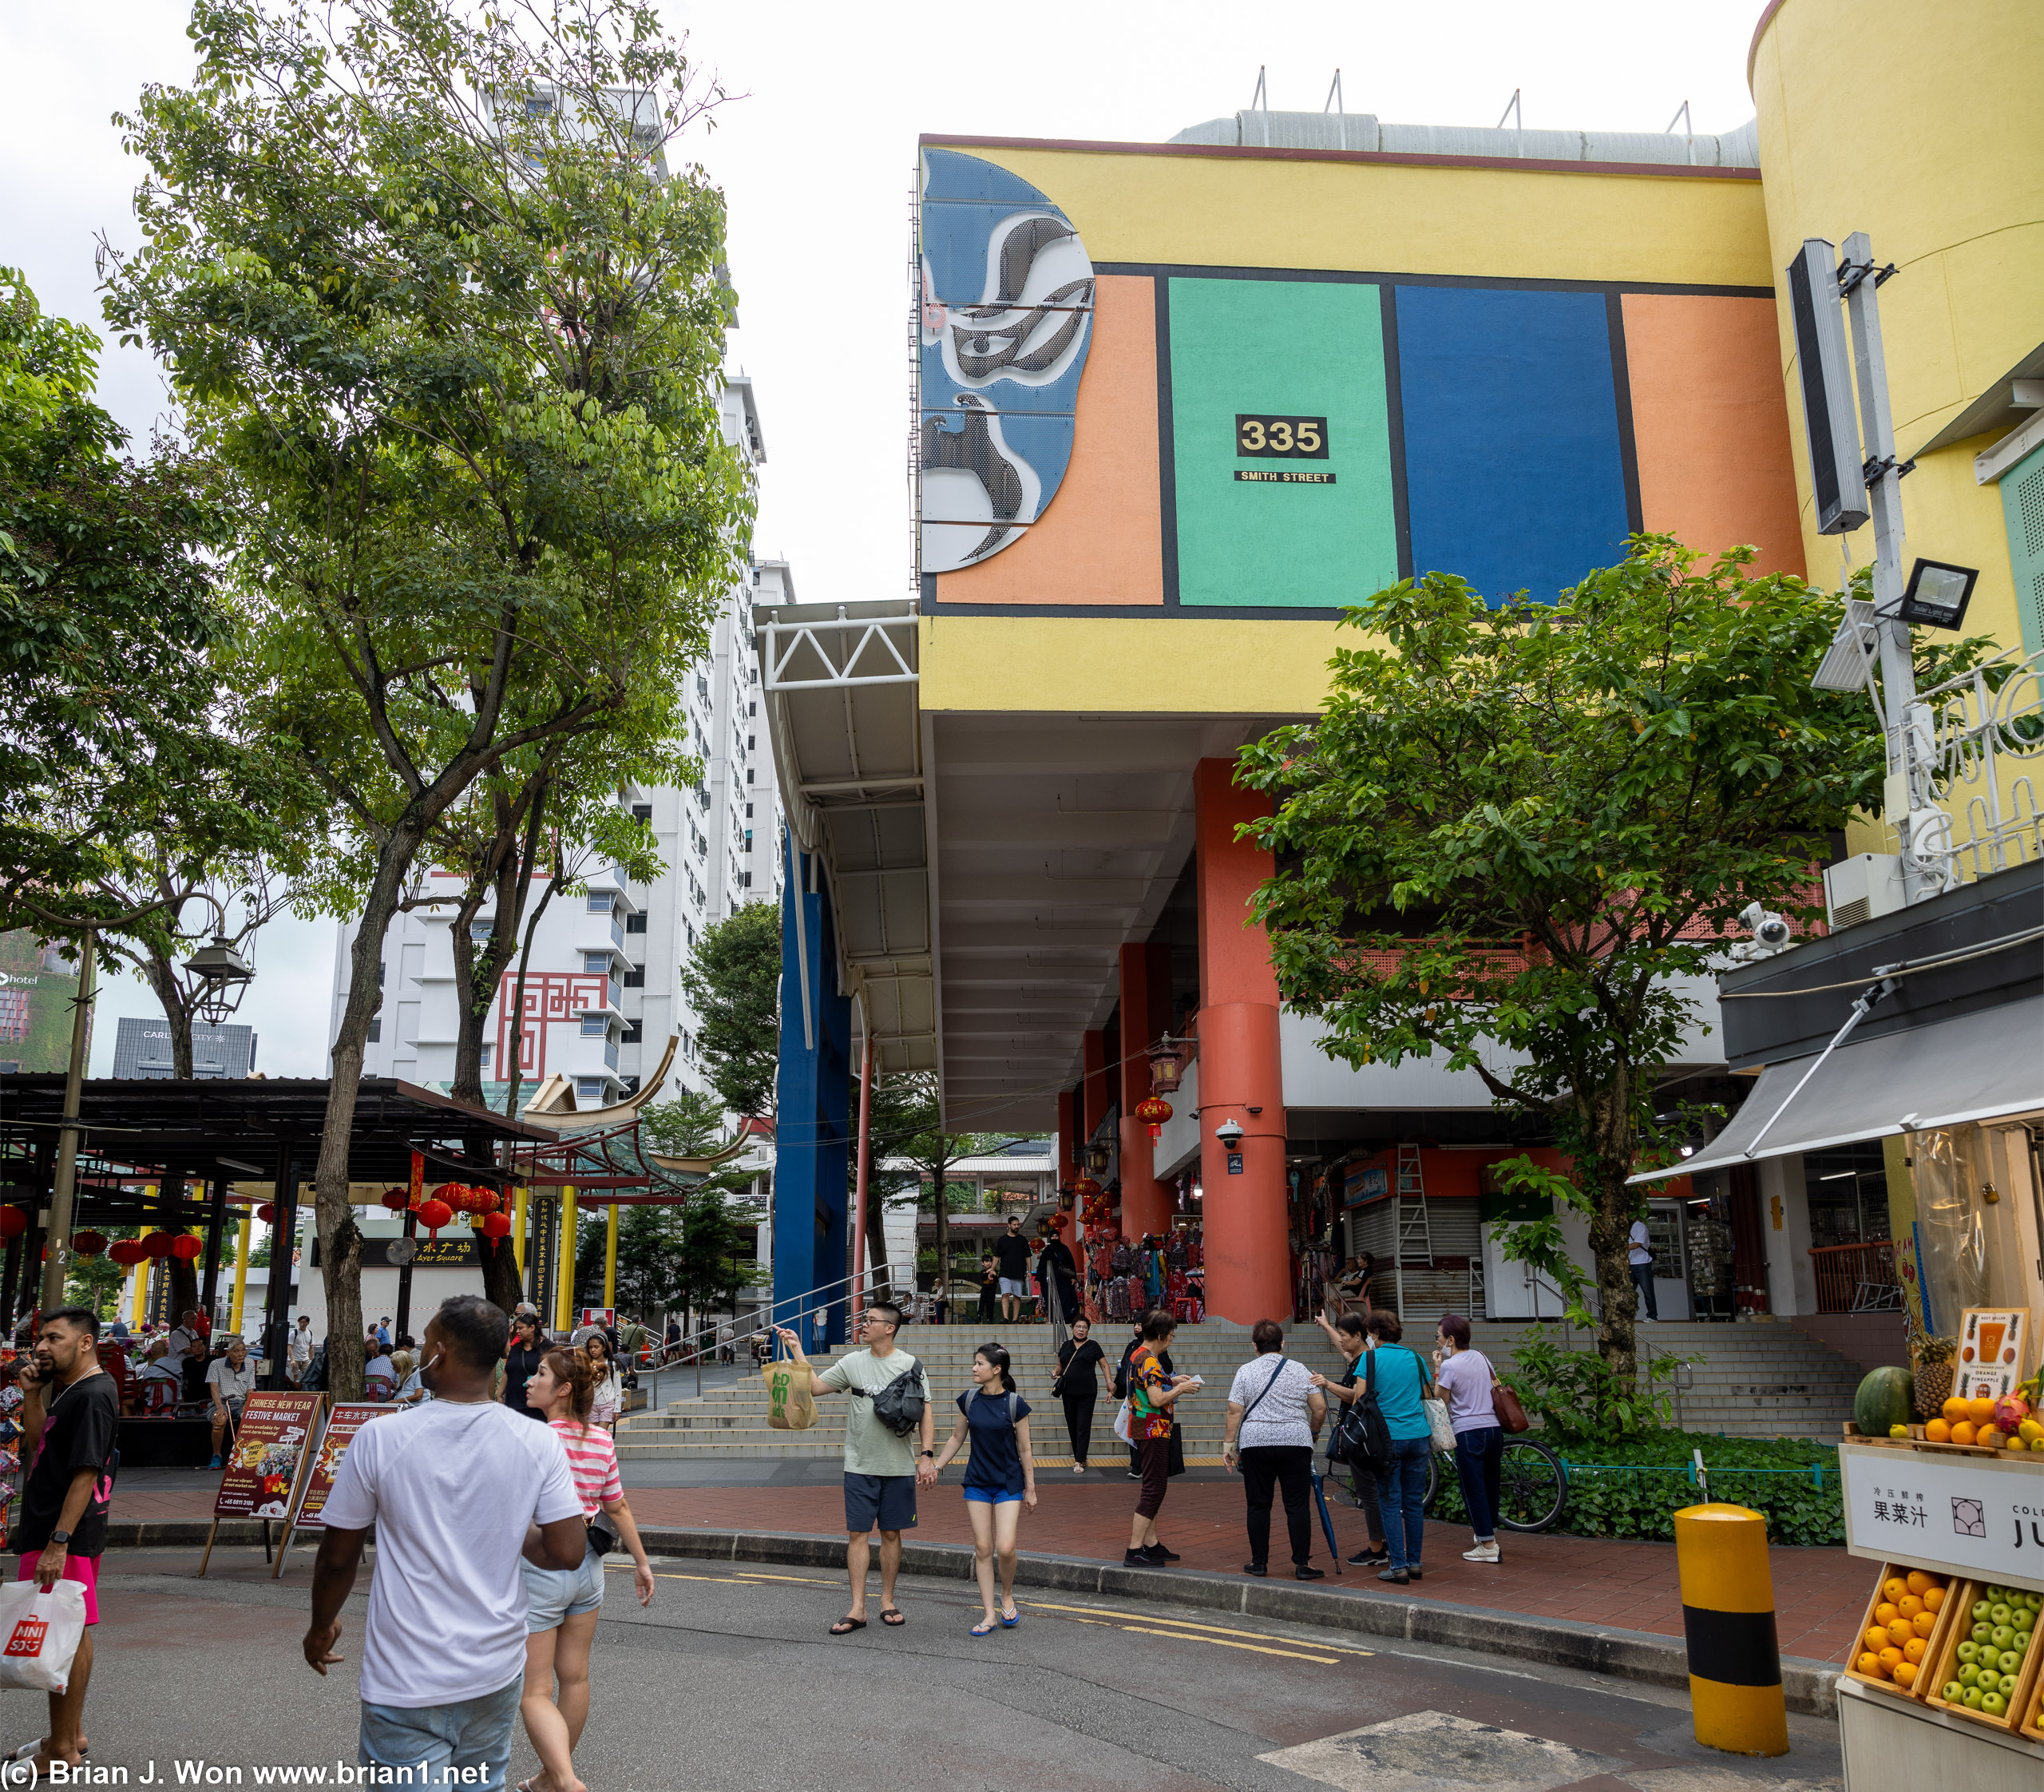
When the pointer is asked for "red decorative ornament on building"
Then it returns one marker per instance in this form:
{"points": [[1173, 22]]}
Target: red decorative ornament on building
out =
{"points": [[89, 1244], [434, 1213], [1153, 1111], [186, 1248], [267, 1212]]}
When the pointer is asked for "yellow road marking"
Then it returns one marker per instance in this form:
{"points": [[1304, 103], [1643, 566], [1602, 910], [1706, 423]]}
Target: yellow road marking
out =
{"points": [[1107, 1615], [1222, 1642], [804, 1579]]}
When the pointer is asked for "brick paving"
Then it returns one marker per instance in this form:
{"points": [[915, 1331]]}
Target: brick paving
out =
{"points": [[1819, 1594]]}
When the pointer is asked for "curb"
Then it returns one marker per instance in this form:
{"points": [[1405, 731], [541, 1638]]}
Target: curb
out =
{"points": [[1808, 1687]]}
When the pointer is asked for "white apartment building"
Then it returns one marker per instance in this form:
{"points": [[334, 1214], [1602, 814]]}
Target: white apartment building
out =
{"points": [[603, 991]]}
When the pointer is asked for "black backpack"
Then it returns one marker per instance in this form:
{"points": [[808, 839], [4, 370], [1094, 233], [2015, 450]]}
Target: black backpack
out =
{"points": [[1362, 1439], [900, 1405]]}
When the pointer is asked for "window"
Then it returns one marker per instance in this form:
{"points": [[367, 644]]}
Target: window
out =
{"points": [[748, 832], [589, 1088], [602, 901], [595, 1026], [752, 708], [486, 1051], [748, 811], [635, 978], [635, 923], [745, 880], [642, 812], [751, 741], [634, 1032], [376, 1029], [598, 962], [748, 775], [481, 929]]}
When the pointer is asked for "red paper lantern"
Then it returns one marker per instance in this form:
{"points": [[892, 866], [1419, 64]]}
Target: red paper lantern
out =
{"points": [[89, 1244], [14, 1221], [186, 1248], [157, 1245], [495, 1225], [1085, 1188], [488, 1200], [267, 1212], [434, 1213], [127, 1252], [396, 1199], [1153, 1111]]}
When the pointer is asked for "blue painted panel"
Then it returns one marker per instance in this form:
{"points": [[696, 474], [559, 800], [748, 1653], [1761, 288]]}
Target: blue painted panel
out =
{"points": [[1514, 469]]}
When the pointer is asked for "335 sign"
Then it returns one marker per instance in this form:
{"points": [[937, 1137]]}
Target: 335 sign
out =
{"points": [[1300, 438]]}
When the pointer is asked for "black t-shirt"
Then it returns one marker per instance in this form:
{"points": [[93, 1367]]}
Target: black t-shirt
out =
{"points": [[1057, 1259], [83, 1424], [520, 1364], [996, 1459], [1012, 1253], [1074, 1363]]}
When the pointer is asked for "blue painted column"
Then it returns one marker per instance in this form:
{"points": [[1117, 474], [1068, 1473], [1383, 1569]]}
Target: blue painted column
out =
{"points": [[812, 1113]]}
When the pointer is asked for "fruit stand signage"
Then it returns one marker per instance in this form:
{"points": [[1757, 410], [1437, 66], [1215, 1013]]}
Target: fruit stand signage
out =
{"points": [[269, 1447], [1973, 1515]]}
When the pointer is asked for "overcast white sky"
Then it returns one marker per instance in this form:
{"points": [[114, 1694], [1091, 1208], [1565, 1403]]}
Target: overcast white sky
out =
{"points": [[817, 160]]}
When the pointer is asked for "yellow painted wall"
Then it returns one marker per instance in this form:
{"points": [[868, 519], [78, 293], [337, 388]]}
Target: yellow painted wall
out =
{"points": [[1247, 211], [1094, 665], [1923, 128]]}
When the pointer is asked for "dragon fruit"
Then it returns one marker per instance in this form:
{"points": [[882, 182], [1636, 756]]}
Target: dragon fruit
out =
{"points": [[2010, 1410]]}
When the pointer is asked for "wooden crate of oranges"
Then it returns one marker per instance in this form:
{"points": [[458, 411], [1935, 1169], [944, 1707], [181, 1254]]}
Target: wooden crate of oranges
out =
{"points": [[1985, 1665], [1902, 1629], [1983, 1425]]}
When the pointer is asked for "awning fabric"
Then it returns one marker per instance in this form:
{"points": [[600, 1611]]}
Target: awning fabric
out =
{"points": [[1983, 1066]]}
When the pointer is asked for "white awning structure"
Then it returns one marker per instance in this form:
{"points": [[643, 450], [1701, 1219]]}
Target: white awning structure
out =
{"points": [[839, 684], [1987, 1065]]}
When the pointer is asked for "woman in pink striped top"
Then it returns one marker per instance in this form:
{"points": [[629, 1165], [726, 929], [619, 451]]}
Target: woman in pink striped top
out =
{"points": [[560, 1619]]}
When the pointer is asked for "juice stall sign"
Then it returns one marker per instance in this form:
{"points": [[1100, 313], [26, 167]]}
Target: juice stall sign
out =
{"points": [[267, 1461]]}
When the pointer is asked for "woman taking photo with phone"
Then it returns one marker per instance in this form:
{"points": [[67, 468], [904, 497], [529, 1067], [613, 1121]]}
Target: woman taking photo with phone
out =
{"points": [[560, 1620], [999, 1479]]}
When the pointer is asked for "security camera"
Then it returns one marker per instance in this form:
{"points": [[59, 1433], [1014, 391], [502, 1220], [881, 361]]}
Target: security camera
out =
{"points": [[1229, 1134], [1769, 931]]}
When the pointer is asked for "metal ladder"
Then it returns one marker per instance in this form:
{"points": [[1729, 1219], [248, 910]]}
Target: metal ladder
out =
{"points": [[1412, 1237]]}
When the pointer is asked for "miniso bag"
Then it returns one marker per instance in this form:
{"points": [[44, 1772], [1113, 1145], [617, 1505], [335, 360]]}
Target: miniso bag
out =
{"points": [[791, 1406], [39, 1633]]}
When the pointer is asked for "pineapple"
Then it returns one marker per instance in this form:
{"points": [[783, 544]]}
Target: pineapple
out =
{"points": [[1933, 1375]]}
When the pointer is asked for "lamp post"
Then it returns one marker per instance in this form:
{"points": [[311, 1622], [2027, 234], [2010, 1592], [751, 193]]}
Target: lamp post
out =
{"points": [[56, 1254]]}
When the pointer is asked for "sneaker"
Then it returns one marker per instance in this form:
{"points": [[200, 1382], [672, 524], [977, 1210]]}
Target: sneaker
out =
{"points": [[1412, 1571], [1397, 1576], [1135, 1559], [1482, 1553], [1135, 1474], [1306, 1572], [214, 1463], [1369, 1558], [1157, 1553], [1259, 1569]]}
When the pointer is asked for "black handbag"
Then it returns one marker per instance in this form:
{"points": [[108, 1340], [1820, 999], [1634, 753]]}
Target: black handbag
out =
{"points": [[1362, 1439], [900, 1405]]}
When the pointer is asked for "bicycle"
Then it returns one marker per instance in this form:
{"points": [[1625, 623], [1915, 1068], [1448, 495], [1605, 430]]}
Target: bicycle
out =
{"points": [[1532, 1485]]}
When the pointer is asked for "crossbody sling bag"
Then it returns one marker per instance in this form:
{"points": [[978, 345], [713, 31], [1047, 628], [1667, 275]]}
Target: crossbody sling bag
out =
{"points": [[1258, 1401], [1363, 1439]]}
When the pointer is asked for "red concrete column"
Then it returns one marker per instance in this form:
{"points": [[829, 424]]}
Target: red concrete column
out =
{"points": [[1096, 1093], [1248, 1260], [1146, 1013], [1064, 1158]]}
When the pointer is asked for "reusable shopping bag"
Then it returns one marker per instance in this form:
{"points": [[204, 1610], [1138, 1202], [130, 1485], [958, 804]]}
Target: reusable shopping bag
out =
{"points": [[791, 1406], [41, 1632]]}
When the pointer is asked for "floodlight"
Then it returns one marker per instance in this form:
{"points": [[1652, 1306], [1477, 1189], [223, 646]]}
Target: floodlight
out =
{"points": [[1938, 594]]}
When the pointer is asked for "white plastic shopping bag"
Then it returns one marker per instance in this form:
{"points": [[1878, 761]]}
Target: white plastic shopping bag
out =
{"points": [[1442, 1431], [39, 1633], [1121, 1424]]}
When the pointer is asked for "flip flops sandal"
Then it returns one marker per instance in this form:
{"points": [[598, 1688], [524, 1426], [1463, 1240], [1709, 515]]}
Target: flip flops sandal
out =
{"points": [[1008, 1623], [844, 1627], [982, 1628], [891, 1616]]}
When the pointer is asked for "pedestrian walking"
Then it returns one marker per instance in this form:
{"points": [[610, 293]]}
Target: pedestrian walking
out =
{"points": [[882, 1469], [70, 1418], [453, 1488], [523, 1353], [562, 1604], [1078, 1385], [298, 1351], [607, 1400], [1464, 1377], [1153, 1394], [1060, 1275], [1639, 1261], [1011, 1255], [229, 1379], [1347, 1336], [1402, 1384], [1000, 1479], [1274, 1414]]}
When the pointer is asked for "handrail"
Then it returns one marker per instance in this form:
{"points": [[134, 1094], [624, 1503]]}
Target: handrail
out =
{"points": [[1844, 1271]]}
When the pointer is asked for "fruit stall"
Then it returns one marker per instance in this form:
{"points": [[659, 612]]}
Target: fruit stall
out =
{"points": [[1942, 1470]]}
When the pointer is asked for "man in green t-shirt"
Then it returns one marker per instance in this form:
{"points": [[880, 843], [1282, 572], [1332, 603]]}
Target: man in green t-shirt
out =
{"points": [[882, 1471]]}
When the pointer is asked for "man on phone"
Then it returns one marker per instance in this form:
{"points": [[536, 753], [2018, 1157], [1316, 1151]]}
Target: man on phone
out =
{"points": [[72, 1409]]}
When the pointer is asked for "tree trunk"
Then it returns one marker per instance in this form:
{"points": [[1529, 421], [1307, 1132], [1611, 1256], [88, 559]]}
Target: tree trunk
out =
{"points": [[161, 975], [500, 1274], [1610, 1228], [477, 980]]}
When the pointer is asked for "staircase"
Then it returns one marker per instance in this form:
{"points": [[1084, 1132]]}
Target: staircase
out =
{"points": [[1756, 1381]]}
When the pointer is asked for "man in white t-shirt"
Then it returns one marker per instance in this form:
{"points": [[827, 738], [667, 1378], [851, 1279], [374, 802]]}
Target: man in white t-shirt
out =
{"points": [[182, 1340], [229, 1379], [1639, 1256], [298, 1354], [459, 1489]]}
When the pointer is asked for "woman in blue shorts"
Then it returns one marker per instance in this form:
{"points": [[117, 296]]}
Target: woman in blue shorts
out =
{"points": [[1001, 1478]]}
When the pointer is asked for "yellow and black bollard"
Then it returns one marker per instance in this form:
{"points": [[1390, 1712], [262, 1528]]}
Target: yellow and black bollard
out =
{"points": [[1728, 1619]]}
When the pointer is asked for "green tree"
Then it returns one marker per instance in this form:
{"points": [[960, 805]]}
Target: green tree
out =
{"points": [[733, 980], [911, 1146], [421, 277], [1516, 836]]}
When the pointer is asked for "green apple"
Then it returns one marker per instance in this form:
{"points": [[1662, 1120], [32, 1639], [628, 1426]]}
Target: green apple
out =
{"points": [[1972, 1700], [1981, 1608], [1968, 1650], [2002, 1635], [2010, 1660], [1970, 1673], [1997, 1613], [1982, 1631], [1994, 1704], [1953, 1693], [2034, 1601]]}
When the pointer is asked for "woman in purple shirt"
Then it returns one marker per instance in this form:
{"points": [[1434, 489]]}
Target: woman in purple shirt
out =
{"points": [[1464, 1377]]}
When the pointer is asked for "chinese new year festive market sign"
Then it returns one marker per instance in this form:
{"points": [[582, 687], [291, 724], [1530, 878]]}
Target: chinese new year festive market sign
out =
{"points": [[266, 1463]]}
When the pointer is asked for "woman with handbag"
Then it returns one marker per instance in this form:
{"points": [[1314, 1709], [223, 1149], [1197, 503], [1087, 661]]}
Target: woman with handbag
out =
{"points": [[1078, 1385], [561, 1605], [1347, 1334], [1402, 1389], [1465, 1377]]}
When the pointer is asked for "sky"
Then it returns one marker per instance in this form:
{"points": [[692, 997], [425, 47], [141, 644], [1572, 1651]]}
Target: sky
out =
{"points": [[815, 151]]}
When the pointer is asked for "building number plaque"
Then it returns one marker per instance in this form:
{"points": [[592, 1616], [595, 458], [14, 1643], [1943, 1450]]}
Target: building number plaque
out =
{"points": [[1280, 438]]}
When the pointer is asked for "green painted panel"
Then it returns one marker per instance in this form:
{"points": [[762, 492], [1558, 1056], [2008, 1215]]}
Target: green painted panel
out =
{"points": [[2022, 507], [1288, 349]]}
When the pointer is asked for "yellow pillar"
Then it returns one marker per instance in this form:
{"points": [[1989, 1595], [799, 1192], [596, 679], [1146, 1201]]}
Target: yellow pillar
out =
{"points": [[142, 1312], [241, 1268], [610, 1257], [1728, 1612], [564, 1279], [518, 1231]]}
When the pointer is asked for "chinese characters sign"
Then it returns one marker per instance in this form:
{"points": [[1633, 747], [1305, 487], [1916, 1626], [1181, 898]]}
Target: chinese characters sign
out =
{"points": [[1972, 1515], [268, 1456]]}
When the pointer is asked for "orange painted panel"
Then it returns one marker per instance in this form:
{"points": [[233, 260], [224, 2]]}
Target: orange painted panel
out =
{"points": [[1101, 539], [1710, 424]]}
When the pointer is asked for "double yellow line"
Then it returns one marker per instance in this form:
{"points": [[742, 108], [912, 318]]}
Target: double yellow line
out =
{"points": [[1219, 1635]]}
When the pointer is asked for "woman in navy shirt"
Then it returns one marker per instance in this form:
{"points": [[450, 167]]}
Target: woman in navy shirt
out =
{"points": [[1402, 1384], [1001, 1478]]}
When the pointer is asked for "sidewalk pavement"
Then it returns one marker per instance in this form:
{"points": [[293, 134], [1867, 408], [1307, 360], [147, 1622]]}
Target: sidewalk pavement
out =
{"points": [[1819, 1594]]}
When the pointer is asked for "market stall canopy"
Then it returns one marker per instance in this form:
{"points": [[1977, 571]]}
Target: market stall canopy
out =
{"points": [[1984, 1066]]}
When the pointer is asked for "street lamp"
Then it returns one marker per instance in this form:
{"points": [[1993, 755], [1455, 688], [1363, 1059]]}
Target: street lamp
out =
{"points": [[225, 974]]}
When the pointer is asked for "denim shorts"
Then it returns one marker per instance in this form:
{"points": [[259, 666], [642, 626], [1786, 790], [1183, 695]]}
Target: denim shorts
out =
{"points": [[472, 1738], [989, 1496], [552, 1596]]}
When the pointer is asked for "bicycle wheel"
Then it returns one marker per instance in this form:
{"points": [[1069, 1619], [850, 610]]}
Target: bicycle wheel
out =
{"points": [[1433, 1483], [1532, 1486]]}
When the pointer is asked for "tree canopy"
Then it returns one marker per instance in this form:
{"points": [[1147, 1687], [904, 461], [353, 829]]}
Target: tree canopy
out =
{"points": [[732, 981]]}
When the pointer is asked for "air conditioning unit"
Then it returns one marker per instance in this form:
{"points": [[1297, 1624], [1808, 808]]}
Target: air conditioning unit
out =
{"points": [[1859, 888]]}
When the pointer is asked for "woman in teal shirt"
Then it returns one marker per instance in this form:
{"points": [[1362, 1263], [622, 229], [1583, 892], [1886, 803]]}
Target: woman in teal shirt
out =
{"points": [[1402, 1383]]}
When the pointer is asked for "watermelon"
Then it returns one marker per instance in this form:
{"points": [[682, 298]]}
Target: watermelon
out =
{"points": [[1884, 1399]]}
